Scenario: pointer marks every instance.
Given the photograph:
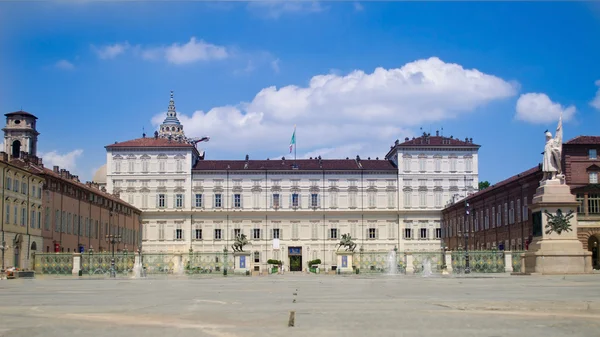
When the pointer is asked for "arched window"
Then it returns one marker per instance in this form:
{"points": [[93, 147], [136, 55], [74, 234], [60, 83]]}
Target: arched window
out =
{"points": [[16, 149], [34, 246]]}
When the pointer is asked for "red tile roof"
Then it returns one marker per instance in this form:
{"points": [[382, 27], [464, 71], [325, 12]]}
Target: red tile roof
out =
{"points": [[436, 141], [20, 113], [150, 142], [585, 140], [303, 165]]}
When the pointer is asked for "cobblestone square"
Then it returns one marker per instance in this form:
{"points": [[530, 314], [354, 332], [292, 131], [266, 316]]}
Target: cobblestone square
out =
{"points": [[356, 305]]}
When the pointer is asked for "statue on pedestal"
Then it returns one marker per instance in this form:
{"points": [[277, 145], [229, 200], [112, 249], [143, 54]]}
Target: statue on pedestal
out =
{"points": [[552, 164]]}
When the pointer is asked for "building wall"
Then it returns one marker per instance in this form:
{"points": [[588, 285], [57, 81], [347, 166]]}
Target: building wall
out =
{"points": [[80, 215], [21, 214], [499, 217]]}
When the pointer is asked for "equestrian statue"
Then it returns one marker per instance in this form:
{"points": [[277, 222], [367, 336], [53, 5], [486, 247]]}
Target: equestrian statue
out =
{"points": [[347, 242], [240, 242]]}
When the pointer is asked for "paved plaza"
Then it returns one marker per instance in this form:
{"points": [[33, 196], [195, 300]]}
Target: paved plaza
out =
{"points": [[354, 305]]}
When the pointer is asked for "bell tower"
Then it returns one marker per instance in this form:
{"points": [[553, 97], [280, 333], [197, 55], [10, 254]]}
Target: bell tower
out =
{"points": [[20, 134], [171, 128]]}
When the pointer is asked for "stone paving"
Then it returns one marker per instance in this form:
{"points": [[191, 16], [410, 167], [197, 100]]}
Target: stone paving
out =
{"points": [[353, 305]]}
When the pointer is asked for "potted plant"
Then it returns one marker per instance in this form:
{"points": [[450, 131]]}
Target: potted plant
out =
{"points": [[312, 264], [275, 265]]}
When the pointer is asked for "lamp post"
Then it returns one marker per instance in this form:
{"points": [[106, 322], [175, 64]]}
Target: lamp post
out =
{"points": [[466, 233], [113, 239]]}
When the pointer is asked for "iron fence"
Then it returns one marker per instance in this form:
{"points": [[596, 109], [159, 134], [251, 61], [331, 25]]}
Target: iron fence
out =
{"points": [[516, 261], [380, 262], [427, 261], [479, 261], [100, 263], [207, 263], [53, 263]]}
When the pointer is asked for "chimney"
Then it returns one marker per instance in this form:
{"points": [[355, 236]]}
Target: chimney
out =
{"points": [[55, 169], [437, 133]]}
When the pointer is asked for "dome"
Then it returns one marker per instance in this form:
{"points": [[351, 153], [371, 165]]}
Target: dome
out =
{"points": [[100, 175]]}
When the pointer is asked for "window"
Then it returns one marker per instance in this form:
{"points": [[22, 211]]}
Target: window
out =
{"points": [[217, 234], [16, 185], [256, 233], [352, 199], [236, 232], [438, 199], [161, 165], [407, 199], [32, 221], [333, 233], [295, 200], [145, 200], [438, 233], [592, 154], [314, 230], [391, 197], [145, 165], [179, 234], [511, 213], [422, 199], [452, 164], [275, 233], [422, 164], [198, 234], [407, 164], [117, 165], [23, 215], [179, 165], [198, 200], [333, 198], [275, 201], [161, 201], [131, 165], [593, 203], [372, 199], [314, 200], [518, 210], [46, 219], [525, 209], [218, 201], [372, 233], [593, 177], [407, 233], [179, 201], [256, 200], [468, 164], [237, 200], [8, 183], [423, 233], [7, 213], [23, 188], [294, 231], [391, 230], [161, 231], [256, 257], [438, 164]]}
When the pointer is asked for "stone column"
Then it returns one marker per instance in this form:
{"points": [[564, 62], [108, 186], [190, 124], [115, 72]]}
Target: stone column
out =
{"points": [[410, 268], [448, 260], [76, 264], [508, 261]]}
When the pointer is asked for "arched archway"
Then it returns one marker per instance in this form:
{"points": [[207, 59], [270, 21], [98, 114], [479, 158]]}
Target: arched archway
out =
{"points": [[33, 246], [16, 148], [594, 247]]}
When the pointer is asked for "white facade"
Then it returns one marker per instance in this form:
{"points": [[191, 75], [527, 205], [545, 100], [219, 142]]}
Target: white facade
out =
{"points": [[188, 202]]}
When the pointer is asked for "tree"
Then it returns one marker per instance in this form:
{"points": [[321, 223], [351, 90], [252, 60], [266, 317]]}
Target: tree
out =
{"points": [[483, 185]]}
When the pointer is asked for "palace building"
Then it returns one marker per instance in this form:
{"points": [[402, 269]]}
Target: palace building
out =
{"points": [[290, 210]]}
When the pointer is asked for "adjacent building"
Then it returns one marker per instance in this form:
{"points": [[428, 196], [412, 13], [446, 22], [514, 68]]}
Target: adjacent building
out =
{"points": [[500, 219], [50, 210], [290, 210]]}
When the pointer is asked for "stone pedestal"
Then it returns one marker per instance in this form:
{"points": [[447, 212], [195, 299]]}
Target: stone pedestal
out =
{"points": [[243, 263], [448, 261], [410, 267], [76, 264], [555, 253], [344, 262]]}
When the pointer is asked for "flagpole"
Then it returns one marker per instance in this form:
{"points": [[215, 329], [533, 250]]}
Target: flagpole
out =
{"points": [[295, 146]]}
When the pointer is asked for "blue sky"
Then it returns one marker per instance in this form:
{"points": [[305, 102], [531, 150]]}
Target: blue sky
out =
{"points": [[353, 76]]}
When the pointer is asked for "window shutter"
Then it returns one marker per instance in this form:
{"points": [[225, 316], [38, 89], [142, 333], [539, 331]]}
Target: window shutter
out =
{"points": [[271, 234], [377, 233], [182, 234], [318, 200], [271, 201], [281, 236], [174, 234], [299, 200], [183, 200], [241, 200], [291, 197], [428, 234]]}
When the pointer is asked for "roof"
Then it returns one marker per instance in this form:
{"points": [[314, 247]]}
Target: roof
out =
{"points": [[532, 171], [436, 141], [302, 164], [20, 113], [106, 195], [584, 140], [149, 142]]}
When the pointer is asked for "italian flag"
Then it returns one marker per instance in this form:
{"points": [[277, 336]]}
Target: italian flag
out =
{"points": [[293, 141]]}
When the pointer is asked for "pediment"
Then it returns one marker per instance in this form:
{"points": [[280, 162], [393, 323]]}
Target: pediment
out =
{"points": [[593, 167]]}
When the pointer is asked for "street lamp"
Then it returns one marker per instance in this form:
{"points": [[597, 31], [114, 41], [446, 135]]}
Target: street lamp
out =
{"points": [[113, 239], [466, 233]]}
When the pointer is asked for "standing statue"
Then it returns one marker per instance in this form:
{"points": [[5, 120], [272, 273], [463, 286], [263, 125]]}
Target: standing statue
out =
{"points": [[552, 164], [347, 242], [240, 242]]}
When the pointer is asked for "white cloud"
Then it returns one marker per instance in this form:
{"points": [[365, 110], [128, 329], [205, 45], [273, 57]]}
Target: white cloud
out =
{"points": [[64, 65], [192, 51], [538, 108], [356, 112], [274, 9], [358, 7], [66, 161], [275, 65], [596, 101], [110, 51]]}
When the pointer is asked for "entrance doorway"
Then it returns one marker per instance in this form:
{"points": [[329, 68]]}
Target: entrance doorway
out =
{"points": [[594, 247], [295, 254]]}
